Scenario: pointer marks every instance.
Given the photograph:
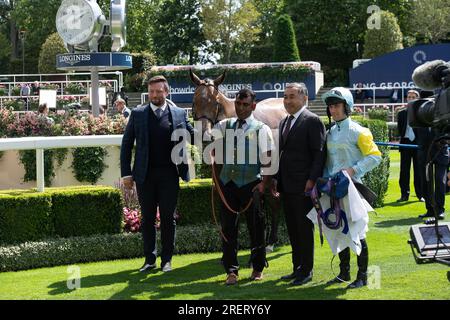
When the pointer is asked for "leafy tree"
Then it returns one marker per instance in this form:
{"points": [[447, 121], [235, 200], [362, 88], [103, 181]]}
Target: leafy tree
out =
{"points": [[329, 31], [268, 10], [5, 53], [47, 58], [9, 26], [231, 28], [432, 20], [386, 39], [178, 34], [141, 17], [285, 44]]}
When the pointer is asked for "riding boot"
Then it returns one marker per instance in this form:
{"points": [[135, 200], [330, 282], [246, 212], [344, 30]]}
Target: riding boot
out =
{"points": [[344, 266], [363, 262]]}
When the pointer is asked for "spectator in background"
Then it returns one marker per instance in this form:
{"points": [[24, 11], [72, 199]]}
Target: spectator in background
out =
{"points": [[43, 113], [25, 93], [408, 135], [360, 93], [394, 96], [121, 107], [35, 88]]}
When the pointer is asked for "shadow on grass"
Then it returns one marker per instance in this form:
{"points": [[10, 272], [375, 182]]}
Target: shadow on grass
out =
{"points": [[401, 204], [197, 279], [397, 223]]}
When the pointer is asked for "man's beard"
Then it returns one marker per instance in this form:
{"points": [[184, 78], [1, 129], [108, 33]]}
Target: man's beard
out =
{"points": [[158, 102]]}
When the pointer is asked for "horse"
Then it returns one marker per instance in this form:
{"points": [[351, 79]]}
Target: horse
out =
{"points": [[210, 106]]}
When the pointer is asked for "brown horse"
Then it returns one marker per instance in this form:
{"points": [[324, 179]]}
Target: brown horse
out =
{"points": [[211, 106]]}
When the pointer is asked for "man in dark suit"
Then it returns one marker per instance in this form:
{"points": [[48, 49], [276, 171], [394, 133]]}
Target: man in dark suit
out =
{"points": [[408, 135], [155, 170], [302, 157]]}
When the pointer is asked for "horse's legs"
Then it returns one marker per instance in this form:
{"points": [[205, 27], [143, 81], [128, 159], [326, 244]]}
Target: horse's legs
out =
{"points": [[275, 208]]}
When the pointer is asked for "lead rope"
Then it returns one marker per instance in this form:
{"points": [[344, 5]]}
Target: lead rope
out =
{"points": [[216, 185]]}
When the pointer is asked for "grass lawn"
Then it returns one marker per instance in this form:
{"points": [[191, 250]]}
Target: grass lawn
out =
{"points": [[200, 276]]}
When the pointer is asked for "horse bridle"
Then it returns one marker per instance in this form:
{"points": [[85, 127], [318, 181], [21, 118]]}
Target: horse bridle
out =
{"points": [[216, 119]]}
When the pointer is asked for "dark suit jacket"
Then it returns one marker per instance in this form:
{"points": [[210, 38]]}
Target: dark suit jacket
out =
{"points": [[137, 130], [302, 155], [402, 120]]}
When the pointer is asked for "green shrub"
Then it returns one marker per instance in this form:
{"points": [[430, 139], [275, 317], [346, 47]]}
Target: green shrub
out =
{"points": [[285, 43], [378, 179], [190, 239], [25, 217], [194, 202], [387, 38], [64, 212], [53, 46], [86, 212], [379, 113], [91, 170], [28, 159]]}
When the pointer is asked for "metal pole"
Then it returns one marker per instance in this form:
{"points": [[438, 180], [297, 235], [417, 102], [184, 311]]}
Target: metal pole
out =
{"points": [[23, 53], [95, 99], [40, 180]]}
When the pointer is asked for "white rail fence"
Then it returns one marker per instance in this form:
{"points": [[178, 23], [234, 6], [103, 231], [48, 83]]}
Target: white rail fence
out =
{"points": [[42, 143]]}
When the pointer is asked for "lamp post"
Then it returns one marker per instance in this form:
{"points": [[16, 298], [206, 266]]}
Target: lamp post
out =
{"points": [[22, 37]]}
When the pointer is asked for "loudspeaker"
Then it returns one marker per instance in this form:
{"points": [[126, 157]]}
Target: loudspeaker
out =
{"points": [[424, 242]]}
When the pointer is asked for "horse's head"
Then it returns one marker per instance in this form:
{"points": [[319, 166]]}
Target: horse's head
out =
{"points": [[205, 106]]}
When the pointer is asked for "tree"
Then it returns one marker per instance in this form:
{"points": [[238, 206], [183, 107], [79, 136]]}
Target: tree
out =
{"points": [[432, 20], [387, 38], [268, 11], [285, 43], [231, 28], [330, 31], [5, 53], [9, 25], [47, 58], [141, 16], [178, 34]]}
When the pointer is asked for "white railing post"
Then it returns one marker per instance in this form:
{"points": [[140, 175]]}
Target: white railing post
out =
{"points": [[40, 180]]}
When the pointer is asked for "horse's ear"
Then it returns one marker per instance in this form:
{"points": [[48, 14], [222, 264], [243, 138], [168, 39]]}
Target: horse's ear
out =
{"points": [[220, 79], [194, 78]]}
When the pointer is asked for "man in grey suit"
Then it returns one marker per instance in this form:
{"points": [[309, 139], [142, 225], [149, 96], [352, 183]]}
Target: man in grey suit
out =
{"points": [[154, 170], [302, 157]]}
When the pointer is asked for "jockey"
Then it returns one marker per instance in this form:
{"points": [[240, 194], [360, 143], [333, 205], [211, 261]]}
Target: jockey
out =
{"points": [[350, 147]]}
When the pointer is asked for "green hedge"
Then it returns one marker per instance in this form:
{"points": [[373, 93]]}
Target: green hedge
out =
{"points": [[190, 239], [378, 178], [194, 202], [75, 211], [26, 217]]}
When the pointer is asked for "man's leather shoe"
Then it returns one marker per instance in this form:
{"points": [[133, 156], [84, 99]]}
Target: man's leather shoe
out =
{"points": [[301, 280], [358, 283], [256, 275], [147, 267], [339, 279], [426, 215], [403, 199], [290, 276], [232, 279]]}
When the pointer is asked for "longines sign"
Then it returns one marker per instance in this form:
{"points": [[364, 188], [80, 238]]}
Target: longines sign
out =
{"points": [[87, 61]]}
